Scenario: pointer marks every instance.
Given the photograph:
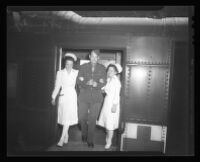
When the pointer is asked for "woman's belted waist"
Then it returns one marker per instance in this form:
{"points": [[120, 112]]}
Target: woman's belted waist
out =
{"points": [[67, 90]]}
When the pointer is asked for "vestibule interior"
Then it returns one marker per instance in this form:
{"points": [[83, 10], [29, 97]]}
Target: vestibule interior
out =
{"points": [[162, 48]]}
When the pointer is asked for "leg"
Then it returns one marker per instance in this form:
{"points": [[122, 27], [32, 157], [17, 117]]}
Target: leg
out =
{"points": [[66, 137], [84, 129], [83, 117], [92, 117], [109, 136], [59, 132], [64, 131]]}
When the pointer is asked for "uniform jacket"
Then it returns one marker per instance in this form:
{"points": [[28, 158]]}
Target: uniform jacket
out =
{"points": [[64, 81], [87, 92]]}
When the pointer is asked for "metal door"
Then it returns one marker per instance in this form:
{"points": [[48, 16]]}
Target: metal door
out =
{"points": [[147, 81]]}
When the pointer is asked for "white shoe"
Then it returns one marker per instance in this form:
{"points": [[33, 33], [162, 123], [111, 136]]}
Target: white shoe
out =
{"points": [[60, 144], [107, 146]]}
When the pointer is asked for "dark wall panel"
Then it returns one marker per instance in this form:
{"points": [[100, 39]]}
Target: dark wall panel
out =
{"points": [[136, 107], [155, 50], [178, 132], [91, 40], [147, 94], [158, 93], [34, 116], [37, 82], [147, 79]]}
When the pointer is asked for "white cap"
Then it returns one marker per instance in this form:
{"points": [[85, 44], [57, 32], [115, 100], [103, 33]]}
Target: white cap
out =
{"points": [[119, 67], [71, 55]]}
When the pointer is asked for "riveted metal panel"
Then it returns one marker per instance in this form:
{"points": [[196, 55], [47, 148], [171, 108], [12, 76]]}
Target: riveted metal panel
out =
{"points": [[149, 50], [157, 94], [136, 90], [146, 90]]}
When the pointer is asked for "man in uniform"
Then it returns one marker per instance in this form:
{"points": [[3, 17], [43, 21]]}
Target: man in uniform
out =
{"points": [[91, 78]]}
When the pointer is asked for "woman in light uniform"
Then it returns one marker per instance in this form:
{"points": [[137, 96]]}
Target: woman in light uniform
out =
{"points": [[67, 102], [109, 116]]}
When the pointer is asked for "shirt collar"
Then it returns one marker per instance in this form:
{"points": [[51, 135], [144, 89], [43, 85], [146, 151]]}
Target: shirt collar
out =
{"points": [[67, 72]]}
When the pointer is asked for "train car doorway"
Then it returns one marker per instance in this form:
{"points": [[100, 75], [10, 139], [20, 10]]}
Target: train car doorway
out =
{"points": [[107, 56]]}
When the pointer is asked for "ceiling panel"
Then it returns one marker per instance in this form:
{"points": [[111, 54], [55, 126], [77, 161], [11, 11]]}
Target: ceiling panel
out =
{"points": [[19, 21]]}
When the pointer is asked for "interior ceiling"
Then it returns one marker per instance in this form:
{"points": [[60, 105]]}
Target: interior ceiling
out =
{"points": [[167, 11], [17, 21]]}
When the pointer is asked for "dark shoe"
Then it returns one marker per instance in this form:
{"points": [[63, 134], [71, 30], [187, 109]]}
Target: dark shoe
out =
{"points": [[59, 146], [91, 145], [84, 138]]}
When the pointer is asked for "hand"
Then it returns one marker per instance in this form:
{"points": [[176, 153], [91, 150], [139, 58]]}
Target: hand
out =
{"points": [[53, 102], [114, 108], [101, 80], [94, 84], [90, 82], [81, 78], [103, 89]]}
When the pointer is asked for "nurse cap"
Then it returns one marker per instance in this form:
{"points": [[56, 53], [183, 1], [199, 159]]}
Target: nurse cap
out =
{"points": [[71, 55], [119, 67]]}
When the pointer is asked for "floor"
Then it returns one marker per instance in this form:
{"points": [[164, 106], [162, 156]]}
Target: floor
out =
{"points": [[79, 146], [75, 143]]}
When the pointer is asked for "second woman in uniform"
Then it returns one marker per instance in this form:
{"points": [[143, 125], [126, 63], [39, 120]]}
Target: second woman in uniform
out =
{"points": [[67, 102], [109, 116]]}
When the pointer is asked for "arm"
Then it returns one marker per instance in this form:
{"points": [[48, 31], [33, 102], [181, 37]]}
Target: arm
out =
{"points": [[117, 93], [102, 81], [57, 86], [81, 79], [116, 96]]}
